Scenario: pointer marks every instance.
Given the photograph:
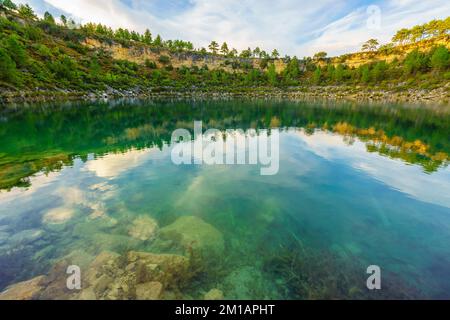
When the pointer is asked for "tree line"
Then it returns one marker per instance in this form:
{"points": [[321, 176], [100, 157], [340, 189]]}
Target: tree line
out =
{"points": [[434, 28], [44, 53]]}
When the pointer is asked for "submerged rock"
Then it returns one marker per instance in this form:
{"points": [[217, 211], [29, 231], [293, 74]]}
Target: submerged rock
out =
{"points": [[55, 284], [79, 258], [110, 276], [191, 232], [87, 294], [165, 268], [246, 282], [102, 241], [214, 294], [135, 275], [149, 291], [144, 228], [26, 290]]}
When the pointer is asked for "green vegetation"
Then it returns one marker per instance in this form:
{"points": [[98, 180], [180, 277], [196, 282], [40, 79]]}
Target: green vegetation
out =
{"points": [[52, 54], [432, 29]]}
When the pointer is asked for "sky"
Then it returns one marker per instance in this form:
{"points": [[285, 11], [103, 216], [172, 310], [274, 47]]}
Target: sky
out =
{"points": [[294, 27]]}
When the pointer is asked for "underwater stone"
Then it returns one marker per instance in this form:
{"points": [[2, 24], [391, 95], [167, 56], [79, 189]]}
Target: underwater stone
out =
{"points": [[135, 275], [102, 241], [78, 257], [102, 283], [87, 294], [193, 232], [105, 257], [149, 291], [247, 281], [165, 268], [110, 276], [143, 228], [26, 290], [214, 294], [55, 283]]}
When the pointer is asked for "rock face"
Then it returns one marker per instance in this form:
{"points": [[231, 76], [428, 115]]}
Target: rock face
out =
{"points": [[27, 290], [144, 228], [190, 232]]}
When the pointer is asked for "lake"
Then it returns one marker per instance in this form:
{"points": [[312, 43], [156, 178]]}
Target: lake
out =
{"points": [[94, 185]]}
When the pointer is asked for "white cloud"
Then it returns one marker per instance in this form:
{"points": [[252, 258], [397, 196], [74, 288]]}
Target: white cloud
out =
{"points": [[294, 27], [348, 33], [114, 164], [409, 179]]}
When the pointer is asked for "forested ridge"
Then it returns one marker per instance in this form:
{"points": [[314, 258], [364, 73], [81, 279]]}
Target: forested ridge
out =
{"points": [[52, 53]]}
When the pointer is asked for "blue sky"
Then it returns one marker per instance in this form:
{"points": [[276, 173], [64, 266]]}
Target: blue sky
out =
{"points": [[294, 27]]}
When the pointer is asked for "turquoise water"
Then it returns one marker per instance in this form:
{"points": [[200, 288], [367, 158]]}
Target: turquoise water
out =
{"points": [[357, 185]]}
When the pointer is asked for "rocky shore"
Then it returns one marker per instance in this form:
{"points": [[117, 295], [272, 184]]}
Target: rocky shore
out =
{"points": [[439, 95]]}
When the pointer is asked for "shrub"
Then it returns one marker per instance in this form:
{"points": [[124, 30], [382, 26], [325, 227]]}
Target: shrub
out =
{"points": [[8, 71], [440, 58], [150, 64], [164, 59], [16, 50]]}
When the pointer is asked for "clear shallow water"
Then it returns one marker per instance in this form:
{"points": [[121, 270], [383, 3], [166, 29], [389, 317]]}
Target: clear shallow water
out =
{"points": [[357, 186]]}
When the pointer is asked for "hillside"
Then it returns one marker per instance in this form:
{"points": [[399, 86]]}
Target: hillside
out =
{"points": [[39, 56]]}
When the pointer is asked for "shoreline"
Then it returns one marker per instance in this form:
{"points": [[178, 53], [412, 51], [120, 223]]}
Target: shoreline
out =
{"points": [[440, 96]]}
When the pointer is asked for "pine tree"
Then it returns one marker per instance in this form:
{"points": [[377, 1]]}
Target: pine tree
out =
{"points": [[272, 75], [224, 49], [213, 47], [158, 41], [27, 12], [275, 54], [317, 77], [49, 18], [9, 4], [147, 38], [440, 59]]}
